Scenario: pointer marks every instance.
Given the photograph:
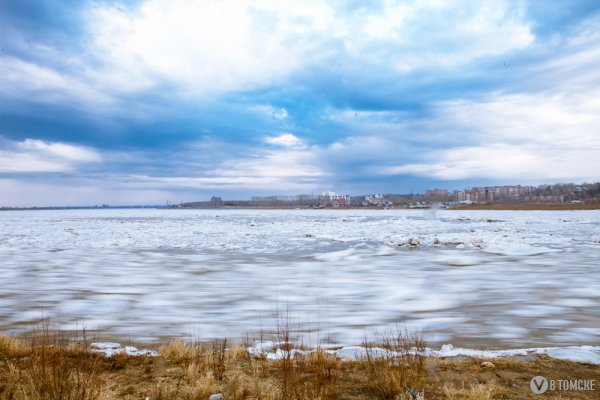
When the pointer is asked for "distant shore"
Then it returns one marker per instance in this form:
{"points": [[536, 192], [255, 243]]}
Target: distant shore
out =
{"points": [[524, 206], [516, 206]]}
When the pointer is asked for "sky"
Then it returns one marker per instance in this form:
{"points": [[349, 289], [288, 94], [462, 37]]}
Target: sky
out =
{"points": [[149, 101]]}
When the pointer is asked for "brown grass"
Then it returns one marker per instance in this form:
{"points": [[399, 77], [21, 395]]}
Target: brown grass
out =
{"points": [[390, 377], [13, 348], [49, 367]]}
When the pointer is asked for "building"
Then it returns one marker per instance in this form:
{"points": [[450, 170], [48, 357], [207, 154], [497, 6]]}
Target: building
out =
{"points": [[331, 199], [436, 193], [495, 193]]}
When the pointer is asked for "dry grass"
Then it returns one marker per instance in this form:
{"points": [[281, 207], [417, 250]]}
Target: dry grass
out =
{"points": [[13, 348], [52, 368], [50, 373], [403, 369]]}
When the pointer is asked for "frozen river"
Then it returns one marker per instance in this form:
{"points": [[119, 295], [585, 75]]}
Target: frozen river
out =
{"points": [[473, 278]]}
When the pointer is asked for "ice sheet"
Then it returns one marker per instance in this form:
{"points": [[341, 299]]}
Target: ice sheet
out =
{"points": [[475, 278]]}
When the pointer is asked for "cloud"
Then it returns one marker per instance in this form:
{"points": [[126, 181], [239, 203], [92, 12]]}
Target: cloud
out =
{"points": [[202, 49], [538, 136], [211, 48], [422, 34], [506, 162], [285, 140], [519, 137], [277, 113], [280, 113], [38, 156], [23, 162], [29, 81], [61, 150], [544, 127], [284, 171]]}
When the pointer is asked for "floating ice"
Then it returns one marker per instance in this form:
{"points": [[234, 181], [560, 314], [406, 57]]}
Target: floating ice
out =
{"points": [[479, 278]]}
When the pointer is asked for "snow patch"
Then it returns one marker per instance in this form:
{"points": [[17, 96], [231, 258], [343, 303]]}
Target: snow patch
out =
{"points": [[580, 354], [110, 349]]}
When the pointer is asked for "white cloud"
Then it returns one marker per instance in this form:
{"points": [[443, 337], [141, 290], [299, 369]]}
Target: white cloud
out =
{"points": [[536, 136], [524, 136], [272, 112], [207, 48], [23, 162], [433, 33], [547, 133], [43, 84], [280, 113], [37, 156], [277, 171], [504, 161], [204, 47], [285, 140], [61, 150]]}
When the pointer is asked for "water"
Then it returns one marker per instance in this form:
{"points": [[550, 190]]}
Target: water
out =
{"points": [[471, 278]]}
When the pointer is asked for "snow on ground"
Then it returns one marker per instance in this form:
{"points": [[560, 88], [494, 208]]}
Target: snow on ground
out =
{"points": [[581, 354], [110, 349], [473, 278], [271, 351]]}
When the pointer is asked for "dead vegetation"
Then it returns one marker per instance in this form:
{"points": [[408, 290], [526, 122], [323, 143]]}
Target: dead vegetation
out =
{"points": [[49, 367]]}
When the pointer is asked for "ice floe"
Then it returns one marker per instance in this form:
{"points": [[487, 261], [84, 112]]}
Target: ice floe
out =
{"points": [[479, 278]]}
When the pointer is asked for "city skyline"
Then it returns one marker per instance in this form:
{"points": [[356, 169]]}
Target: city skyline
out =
{"points": [[545, 193]]}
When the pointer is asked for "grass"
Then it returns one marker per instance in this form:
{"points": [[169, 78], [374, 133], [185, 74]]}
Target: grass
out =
{"points": [[400, 371], [47, 366]]}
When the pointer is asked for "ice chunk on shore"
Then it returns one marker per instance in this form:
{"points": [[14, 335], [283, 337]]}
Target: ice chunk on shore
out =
{"points": [[360, 353], [271, 350], [110, 349], [580, 354]]}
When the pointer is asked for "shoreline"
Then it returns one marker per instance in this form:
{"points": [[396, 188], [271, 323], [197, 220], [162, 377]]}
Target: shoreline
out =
{"points": [[267, 344], [492, 206], [516, 206], [218, 370]]}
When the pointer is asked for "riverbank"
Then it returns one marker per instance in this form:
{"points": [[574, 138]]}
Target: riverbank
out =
{"points": [[51, 368], [528, 206], [524, 206]]}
